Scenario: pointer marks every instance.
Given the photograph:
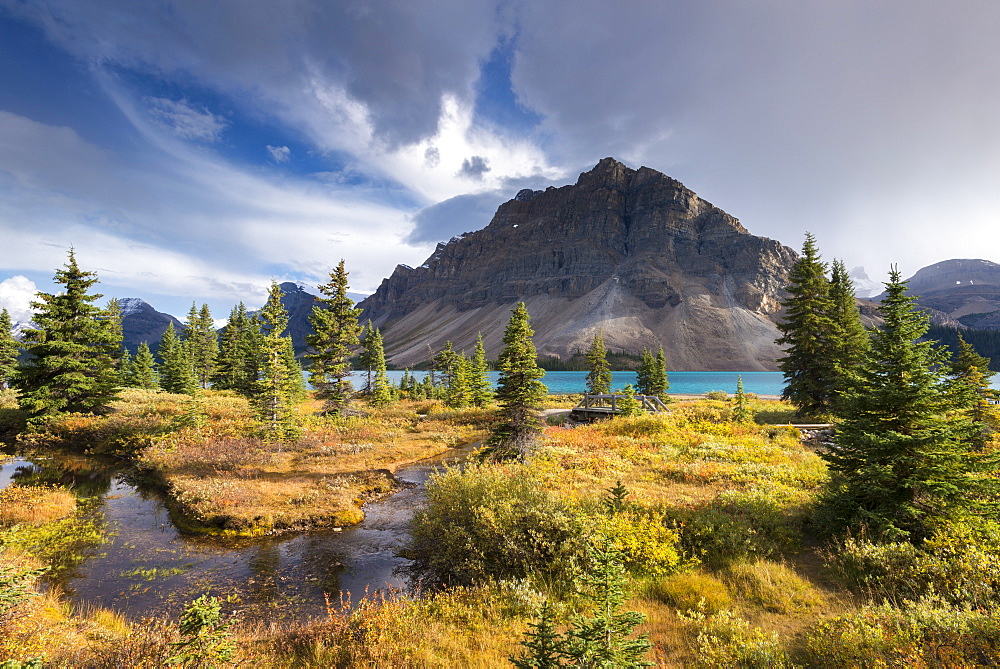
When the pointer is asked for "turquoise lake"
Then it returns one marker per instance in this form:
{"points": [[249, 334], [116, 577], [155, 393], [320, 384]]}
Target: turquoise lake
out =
{"points": [[683, 383]]}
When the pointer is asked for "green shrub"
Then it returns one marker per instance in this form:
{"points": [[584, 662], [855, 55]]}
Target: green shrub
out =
{"points": [[646, 544], [689, 591], [488, 522], [726, 640], [742, 524], [953, 564], [772, 586], [918, 634]]}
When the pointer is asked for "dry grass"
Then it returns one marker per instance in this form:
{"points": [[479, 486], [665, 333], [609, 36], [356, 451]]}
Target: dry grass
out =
{"points": [[227, 482], [34, 505], [772, 586], [44, 625]]}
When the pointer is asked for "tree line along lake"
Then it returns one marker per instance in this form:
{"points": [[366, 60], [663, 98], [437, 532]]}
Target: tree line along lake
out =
{"points": [[681, 383]]}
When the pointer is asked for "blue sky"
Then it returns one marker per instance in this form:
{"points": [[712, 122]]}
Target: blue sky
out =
{"points": [[194, 151]]}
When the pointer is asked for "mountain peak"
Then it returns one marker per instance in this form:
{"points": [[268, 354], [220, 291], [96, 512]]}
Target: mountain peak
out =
{"points": [[630, 252]]}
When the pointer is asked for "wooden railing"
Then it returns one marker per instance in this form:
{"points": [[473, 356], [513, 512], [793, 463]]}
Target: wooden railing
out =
{"points": [[609, 403]]}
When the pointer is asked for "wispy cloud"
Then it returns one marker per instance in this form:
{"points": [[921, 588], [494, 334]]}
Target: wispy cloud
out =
{"points": [[187, 121], [279, 154]]}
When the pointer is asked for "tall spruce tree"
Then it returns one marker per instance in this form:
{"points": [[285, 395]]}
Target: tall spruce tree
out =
{"points": [[659, 385], [445, 362], [176, 371], [459, 393], [72, 351], [126, 370], [520, 391], [644, 375], [278, 383], [144, 373], [849, 343], [336, 331], [9, 349], [238, 361], [599, 376], [480, 389], [969, 377], [808, 366], [202, 342], [112, 319], [903, 460], [366, 359], [381, 392]]}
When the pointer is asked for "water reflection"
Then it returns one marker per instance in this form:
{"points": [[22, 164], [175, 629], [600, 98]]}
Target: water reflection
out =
{"points": [[146, 567]]}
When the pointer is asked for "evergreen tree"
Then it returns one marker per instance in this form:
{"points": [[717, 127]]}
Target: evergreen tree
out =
{"points": [[111, 317], [604, 639], [293, 373], [599, 377], [381, 393], [742, 413], [278, 382], [367, 357], [445, 362], [849, 343], [480, 389], [901, 462], [659, 385], [237, 364], [72, 352], [176, 372], [544, 647], [969, 384], [520, 390], [808, 366], [126, 371], [458, 393], [202, 342], [336, 331], [144, 368], [644, 375], [9, 350]]}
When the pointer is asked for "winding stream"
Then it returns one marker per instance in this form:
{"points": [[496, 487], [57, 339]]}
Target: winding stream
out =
{"points": [[146, 567]]}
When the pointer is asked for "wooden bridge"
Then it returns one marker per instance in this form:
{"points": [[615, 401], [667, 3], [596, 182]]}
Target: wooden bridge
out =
{"points": [[593, 407]]}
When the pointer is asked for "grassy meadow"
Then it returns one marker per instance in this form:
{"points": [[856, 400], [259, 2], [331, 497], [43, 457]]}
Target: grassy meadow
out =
{"points": [[719, 524]]}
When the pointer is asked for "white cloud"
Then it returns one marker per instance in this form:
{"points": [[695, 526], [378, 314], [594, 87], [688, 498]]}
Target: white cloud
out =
{"points": [[279, 154], [16, 295], [162, 231], [185, 121]]}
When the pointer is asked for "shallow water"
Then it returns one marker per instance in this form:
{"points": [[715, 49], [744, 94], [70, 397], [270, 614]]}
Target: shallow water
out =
{"points": [[147, 567]]}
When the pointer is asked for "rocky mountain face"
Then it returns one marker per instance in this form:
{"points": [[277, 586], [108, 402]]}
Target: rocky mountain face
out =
{"points": [[631, 253], [142, 323], [961, 291], [299, 304]]}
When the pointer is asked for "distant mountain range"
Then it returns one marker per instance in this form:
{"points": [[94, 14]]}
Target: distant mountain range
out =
{"points": [[142, 323], [962, 292]]}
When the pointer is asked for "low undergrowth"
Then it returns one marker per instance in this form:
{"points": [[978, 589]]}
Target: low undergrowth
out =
{"points": [[712, 521]]}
